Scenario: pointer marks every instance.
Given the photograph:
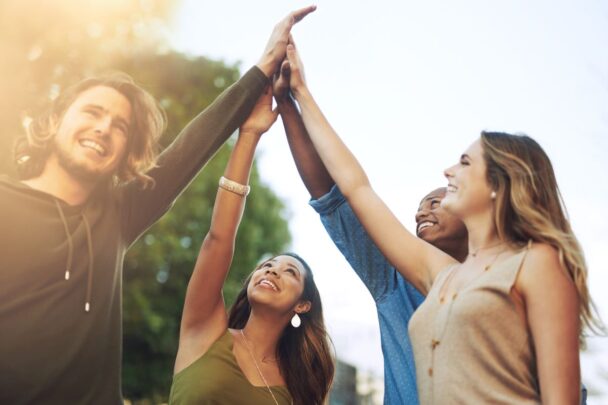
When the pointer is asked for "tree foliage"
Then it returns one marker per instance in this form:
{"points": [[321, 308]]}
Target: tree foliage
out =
{"points": [[53, 46]]}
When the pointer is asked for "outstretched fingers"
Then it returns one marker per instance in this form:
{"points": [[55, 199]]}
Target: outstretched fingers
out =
{"points": [[275, 48], [297, 16]]}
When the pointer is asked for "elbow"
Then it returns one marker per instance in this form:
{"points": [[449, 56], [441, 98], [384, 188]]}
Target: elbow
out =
{"points": [[218, 242]]}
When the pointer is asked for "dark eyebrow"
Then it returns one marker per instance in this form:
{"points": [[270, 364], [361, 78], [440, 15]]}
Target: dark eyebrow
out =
{"points": [[292, 266], [465, 156]]}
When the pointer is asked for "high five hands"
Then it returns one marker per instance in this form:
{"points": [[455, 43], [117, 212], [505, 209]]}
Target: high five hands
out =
{"points": [[276, 47], [290, 76]]}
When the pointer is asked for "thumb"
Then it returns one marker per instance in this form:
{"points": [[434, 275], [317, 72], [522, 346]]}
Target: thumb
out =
{"points": [[285, 68]]}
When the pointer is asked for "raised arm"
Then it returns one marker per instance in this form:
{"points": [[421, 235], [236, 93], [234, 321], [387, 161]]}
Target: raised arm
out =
{"points": [[418, 261], [315, 176], [203, 136], [275, 50], [336, 215], [204, 317]]}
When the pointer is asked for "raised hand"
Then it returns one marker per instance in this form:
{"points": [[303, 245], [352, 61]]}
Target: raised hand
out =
{"points": [[262, 116], [296, 68], [275, 48], [280, 83]]}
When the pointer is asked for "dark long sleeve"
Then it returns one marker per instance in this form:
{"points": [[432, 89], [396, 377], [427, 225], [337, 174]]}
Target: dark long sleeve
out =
{"points": [[181, 161]]}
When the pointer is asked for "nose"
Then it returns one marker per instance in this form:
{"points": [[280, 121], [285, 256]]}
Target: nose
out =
{"points": [[422, 213], [102, 126], [271, 270], [449, 172]]}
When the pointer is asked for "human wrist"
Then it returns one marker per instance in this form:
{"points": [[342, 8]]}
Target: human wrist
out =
{"points": [[300, 91], [267, 65], [234, 187], [249, 136], [286, 103]]}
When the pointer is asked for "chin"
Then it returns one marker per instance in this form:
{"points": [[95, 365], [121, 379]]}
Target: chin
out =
{"points": [[454, 208], [447, 203]]}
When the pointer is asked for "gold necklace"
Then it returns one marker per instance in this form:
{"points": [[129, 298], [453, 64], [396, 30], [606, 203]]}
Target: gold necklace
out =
{"points": [[256, 366], [474, 254], [439, 333], [448, 279]]}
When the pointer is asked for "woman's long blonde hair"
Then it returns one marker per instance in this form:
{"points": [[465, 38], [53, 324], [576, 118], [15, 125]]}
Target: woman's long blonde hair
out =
{"points": [[529, 206]]}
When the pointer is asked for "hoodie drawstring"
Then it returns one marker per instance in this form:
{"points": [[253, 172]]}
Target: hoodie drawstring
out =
{"points": [[87, 304], [68, 266]]}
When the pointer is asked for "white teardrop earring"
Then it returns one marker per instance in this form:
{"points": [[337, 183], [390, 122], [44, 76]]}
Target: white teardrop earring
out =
{"points": [[493, 195], [296, 321]]}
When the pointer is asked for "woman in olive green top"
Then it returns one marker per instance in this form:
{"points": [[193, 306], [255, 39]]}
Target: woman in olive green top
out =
{"points": [[272, 348]]}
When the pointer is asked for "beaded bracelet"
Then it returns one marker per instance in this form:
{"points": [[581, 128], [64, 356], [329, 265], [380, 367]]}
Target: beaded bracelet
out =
{"points": [[234, 187]]}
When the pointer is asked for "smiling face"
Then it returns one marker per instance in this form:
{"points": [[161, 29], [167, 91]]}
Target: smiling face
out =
{"points": [[278, 282], [437, 226], [91, 138], [468, 192]]}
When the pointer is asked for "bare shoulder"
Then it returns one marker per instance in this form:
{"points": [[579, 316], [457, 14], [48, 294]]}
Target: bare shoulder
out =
{"points": [[542, 256], [542, 270]]}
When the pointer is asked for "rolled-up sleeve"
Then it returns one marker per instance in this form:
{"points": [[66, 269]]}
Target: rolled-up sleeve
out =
{"points": [[354, 243]]}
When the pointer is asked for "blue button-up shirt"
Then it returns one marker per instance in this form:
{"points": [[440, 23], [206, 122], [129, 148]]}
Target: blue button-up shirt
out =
{"points": [[395, 298]]}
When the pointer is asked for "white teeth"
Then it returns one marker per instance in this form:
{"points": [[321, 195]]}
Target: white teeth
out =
{"points": [[424, 225], [270, 284], [93, 145], [451, 188]]}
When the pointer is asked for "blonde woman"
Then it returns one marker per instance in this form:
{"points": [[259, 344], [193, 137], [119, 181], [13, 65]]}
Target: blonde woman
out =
{"points": [[505, 325]]}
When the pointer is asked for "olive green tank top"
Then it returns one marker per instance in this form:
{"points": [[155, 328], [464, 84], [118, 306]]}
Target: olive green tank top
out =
{"points": [[216, 378]]}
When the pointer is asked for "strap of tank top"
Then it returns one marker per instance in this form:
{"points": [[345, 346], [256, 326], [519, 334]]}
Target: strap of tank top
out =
{"points": [[511, 276]]}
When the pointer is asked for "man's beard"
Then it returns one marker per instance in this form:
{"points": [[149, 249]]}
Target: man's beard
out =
{"points": [[78, 170]]}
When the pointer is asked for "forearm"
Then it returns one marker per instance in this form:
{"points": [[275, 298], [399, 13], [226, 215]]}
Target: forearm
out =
{"points": [[339, 161], [315, 176], [213, 263], [206, 133], [229, 206], [195, 145]]}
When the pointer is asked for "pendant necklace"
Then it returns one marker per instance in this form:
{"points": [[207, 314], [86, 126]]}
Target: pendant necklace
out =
{"points": [[256, 366]]}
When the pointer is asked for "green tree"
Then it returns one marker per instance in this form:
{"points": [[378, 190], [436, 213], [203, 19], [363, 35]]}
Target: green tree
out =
{"points": [[49, 45]]}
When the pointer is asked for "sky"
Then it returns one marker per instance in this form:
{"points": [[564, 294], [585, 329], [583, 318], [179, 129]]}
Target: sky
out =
{"points": [[409, 85]]}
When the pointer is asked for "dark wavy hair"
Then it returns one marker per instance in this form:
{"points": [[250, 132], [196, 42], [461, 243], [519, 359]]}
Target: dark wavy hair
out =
{"points": [[304, 354], [148, 121]]}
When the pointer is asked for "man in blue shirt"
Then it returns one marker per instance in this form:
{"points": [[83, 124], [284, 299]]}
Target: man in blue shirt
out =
{"points": [[396, 299]]}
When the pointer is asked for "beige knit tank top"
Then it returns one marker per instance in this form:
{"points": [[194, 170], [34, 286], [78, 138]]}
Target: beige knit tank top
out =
{"points": [[474, 347]]}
